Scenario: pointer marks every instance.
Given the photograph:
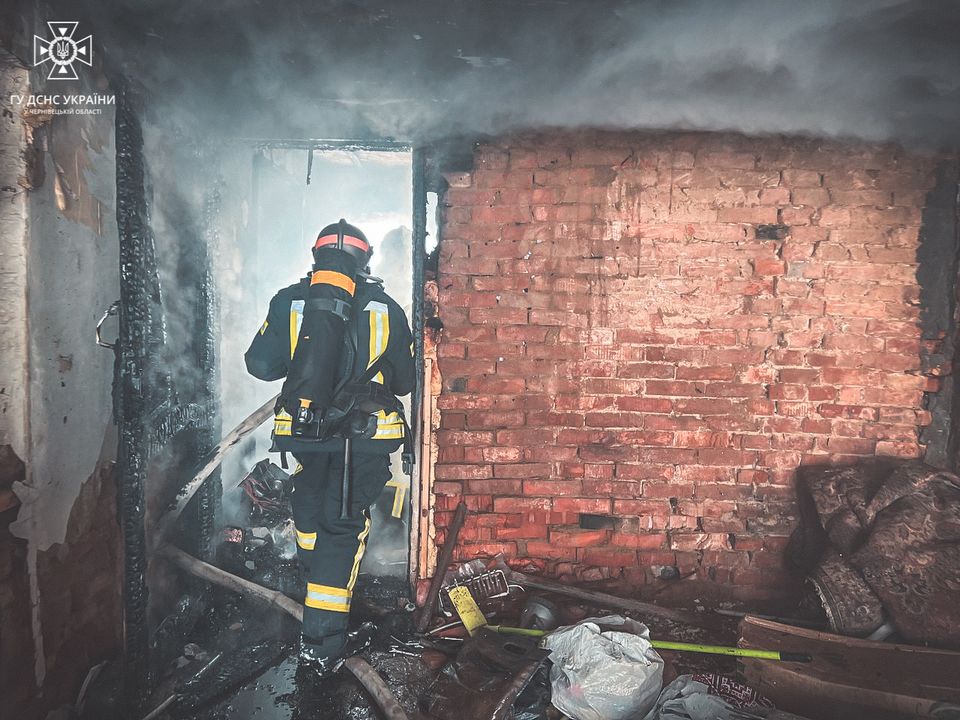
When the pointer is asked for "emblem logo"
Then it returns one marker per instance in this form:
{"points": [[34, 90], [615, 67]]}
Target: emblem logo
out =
{"points": [[62, 51]]}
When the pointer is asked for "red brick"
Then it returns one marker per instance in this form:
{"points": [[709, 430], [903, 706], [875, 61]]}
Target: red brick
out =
{"points": [[685, 542], [524, 531], [851, 446], [498, 316], [524, 437], [724, 491], [726, 372], [644, 404], [761, 215], [848, 411], [464, 437], [801, 178], [544, 549], [609, 557], [577, 538], [899, 449], [522, 470], [495, 487], [643, 471], [630, 362], [521, 504], [752, 476], [491, 384], [552, 488], [639, 541], [613, 419], [463, 472], [485, 550], [769, 266], [599, 506], [725, 456], [642, 508], [496, 454], [815, 196], [480, 419]]}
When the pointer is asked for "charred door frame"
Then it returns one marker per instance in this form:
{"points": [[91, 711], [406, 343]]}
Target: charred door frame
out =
{"points": [[938, 275], [147, 407], [133, 386], [419, 262], [419, 233]]}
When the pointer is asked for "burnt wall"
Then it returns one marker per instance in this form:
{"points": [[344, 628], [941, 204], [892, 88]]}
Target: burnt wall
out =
{"points": [[16, 639], [59, 247], [937, 265]]}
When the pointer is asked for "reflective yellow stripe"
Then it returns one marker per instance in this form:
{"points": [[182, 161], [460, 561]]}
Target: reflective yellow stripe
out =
{"points": [[296, 320], [400, 486], [324, 605], [263, 328], [329, 590], [324, 597], [329, 277], [389, 427], [306, 540], [283, 424], [362, 537], [294, 331], [398, 501], [379, 334]]}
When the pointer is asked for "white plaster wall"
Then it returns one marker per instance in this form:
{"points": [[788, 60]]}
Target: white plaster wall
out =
{"points": [[13, 261], [59, 271], [72, 277]]}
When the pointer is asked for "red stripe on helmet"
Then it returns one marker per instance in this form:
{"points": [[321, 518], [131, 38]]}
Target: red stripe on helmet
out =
{"points": [[347, 240]]}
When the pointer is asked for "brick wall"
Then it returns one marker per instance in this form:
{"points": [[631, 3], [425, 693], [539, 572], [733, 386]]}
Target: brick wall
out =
{"points": [[658, 329]]}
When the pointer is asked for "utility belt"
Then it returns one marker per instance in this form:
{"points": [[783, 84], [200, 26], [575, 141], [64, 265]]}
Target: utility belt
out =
{"points": [[352, 415]]}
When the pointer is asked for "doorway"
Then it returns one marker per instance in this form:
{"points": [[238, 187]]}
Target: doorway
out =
{"points": [[294, 189]]}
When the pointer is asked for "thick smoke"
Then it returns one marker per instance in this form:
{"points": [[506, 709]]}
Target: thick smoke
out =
{"points": [[874, 69], [281, 220]]}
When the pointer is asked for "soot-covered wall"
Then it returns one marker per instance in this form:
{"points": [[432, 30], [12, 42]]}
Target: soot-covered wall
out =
{"points": [[59, 539], [659, 329]]}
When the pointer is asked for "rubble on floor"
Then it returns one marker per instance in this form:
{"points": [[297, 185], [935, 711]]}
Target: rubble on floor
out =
{"points": [[881, 544], [494, 643]]}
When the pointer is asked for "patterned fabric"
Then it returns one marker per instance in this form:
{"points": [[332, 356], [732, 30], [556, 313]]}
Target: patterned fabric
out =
{"points": [[851, 606], [881, 541], [735, 693]]}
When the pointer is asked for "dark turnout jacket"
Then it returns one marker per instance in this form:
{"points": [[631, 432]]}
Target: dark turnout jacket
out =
{"points": [[382, 333]]}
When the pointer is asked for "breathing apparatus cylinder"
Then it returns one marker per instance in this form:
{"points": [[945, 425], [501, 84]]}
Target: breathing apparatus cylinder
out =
{"points": [[340, 252]]}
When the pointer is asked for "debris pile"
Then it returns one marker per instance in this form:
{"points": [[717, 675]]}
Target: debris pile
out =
{"points": [[881, 545], [502, 649], [492, 643]]}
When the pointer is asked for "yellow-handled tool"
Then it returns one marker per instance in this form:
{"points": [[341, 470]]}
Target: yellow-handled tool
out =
{"points": [[685, 647], [735, 651], [467, 608]]}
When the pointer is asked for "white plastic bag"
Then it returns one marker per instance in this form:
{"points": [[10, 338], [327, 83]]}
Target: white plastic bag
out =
{"points": [[608, 673]]}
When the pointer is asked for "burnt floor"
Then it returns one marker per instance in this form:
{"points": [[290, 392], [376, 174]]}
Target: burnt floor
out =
{"points": [[259, 680]]}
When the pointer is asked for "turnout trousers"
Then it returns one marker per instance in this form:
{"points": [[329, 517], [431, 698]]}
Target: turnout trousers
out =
{"points": [[330, 549]]}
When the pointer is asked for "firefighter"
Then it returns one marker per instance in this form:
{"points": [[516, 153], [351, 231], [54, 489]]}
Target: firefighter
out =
{"points": [[345, 350]]}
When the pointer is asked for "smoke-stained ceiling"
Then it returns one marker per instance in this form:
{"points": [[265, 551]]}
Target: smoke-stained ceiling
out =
{"points": [[875, 69]]}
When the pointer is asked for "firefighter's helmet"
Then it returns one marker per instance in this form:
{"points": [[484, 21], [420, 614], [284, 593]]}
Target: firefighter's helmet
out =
{"points": [[349, 238]]}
